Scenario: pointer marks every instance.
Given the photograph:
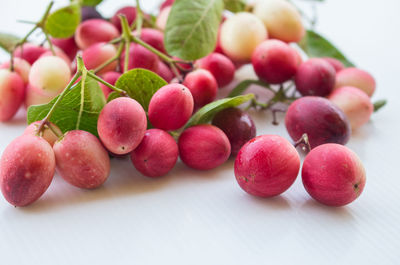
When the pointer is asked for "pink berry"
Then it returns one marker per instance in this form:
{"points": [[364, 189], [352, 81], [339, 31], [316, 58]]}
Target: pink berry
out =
{"points": [[357, 78], [204, 147], [164, 71], [333, 175], [320, 119], [68, 45], [170, 107], [29, 52], [93, 31], [12, 91], [81, 159], [27, 169], [162, 18], [202, 85], [220, 66], [153, 37], [315, 77], [354, 103], [21, 67], [99, 53], [267, 166], [111, 78], [128, 11], [274, 61], [338, 65], [122, 124], [156, 155], [166, 3], [237, 125], [47, 133], [140, 57]]}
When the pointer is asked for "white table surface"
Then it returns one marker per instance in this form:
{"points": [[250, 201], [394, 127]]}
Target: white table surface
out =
{"points": [[192, 217]]}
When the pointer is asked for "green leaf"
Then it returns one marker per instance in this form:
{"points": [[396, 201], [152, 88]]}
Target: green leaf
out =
{"points": [[192, 28], [379, 104], [314, 45], [90, 2], [79, 109], [206, 113], [63, 22], [235, 5], [8, 41], [140, 84]]}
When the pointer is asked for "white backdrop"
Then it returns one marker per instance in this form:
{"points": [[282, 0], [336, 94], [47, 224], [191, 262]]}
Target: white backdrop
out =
{"points": [[192, 217]]}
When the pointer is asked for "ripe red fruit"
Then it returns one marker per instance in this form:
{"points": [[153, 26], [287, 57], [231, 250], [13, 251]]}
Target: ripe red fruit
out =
{"points": [[220, 66], [122, 124], [140, 57], [111, 78], [166, 3], [315, 77], [21, 67], [12, 91], [204, 147], [93, 31], [153, 37], [164, 71], [320, 119], [68, 45], [202, 86], [267, 166], [333, 175], [27, 169], [29, 52], [170, 107], [128, 11], [237, 125], [274, 61], [97, 54], [81, 159], [338, 65], [156, 155]]}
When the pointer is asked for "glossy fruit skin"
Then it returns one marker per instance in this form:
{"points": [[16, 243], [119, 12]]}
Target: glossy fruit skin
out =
{"points": [[68, 45], [97, 54], [164, 71], [281, 19], [338, 65], [333, 175], [220, 66], [274, 61], [204, 147], [47, 133], [156, 155], [89, 12], [240, 35], [140, 57], [27, 168], [122, 124], [153, 37], [202, 86], [12, 92], [320, 119], [170, 107], [29, 52], [21, 67], [355, 103], [81, 159], [267, 166], [315, 77], [357, 78], [111, 78], [34, 97], [237, 125], [128, 11], [93, 31]]}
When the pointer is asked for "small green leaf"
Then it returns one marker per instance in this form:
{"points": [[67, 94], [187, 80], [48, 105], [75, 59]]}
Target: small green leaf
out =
{"points": [[379, 104], [192, 28], [90, 2], [63, 22], [314, 45], [8, 41], [140, 84], [79, 109], [206, 113], [235, 5]]}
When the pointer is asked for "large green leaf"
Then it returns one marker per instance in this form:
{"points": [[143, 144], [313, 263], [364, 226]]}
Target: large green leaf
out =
{"points": [[79, 109], [235, 5], [63, 22], [206, 113], [314, 45], [140, 84], [8, 41], [192, 28]]}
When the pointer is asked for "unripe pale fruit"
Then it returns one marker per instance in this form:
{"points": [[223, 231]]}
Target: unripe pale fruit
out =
{"points": [[156, 155], [315, 77], [111, 78], [34, 97], [29, 52], [204, 147], [267, 165], [153, 37], [122, 124], [338, 65], [281, 19], [93, 31], [164, 71], [140, 57], [202, 86], [274, 61], [128, 11], [320, 119], [50, 74], [170, 107], [12, 91], [21, 67], [357, 78], [355, 103], [97, 54], [27, 168], [46, 134], [162, 18], [220, 66], [68, 45], [241, 34], [333, 175], [81, 159]]}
